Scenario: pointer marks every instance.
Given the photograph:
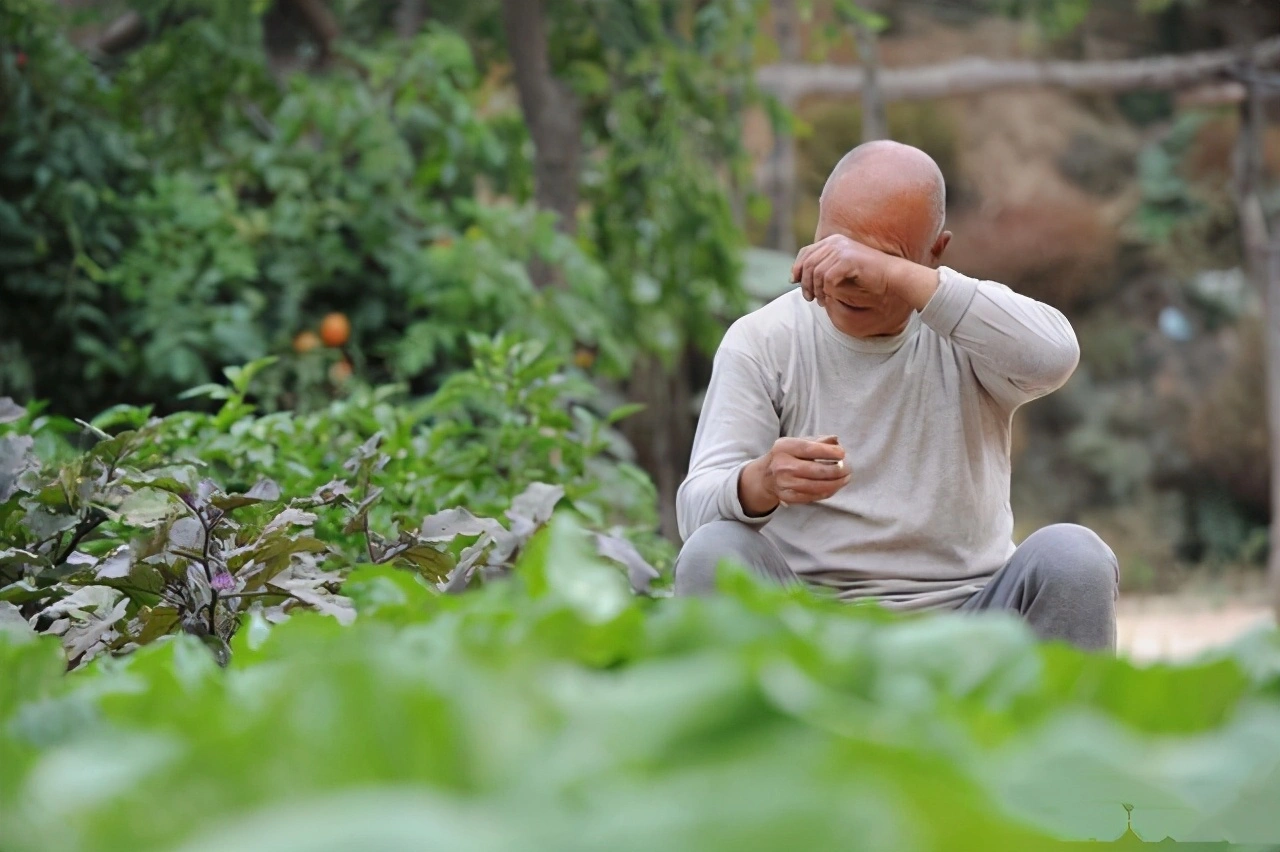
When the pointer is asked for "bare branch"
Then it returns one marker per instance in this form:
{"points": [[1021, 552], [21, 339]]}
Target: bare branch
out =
{"points": [[320, 21], [122, 34], [975, 75]]}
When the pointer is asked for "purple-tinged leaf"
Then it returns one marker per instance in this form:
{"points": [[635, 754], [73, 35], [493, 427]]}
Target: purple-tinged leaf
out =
{"points": [[186, 534], [10, 410], [451, 523], [286, 518], [174, 481], [536, 503], [84, 618], [430, 563], [15, 460], [364, 454], [44, 524], [333, 491], [639, 572], [155, 622], [206, 489], [505, 545], [460, 577], [265, 491], [11, 620], [116, 565], [146, 508], [356, 522], [309, 586]]}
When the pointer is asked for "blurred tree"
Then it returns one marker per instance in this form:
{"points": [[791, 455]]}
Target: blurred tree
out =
{"points": [[392, 177]]}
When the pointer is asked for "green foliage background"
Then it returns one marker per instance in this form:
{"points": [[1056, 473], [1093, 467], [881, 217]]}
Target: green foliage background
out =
{"points": [[177, 210]]}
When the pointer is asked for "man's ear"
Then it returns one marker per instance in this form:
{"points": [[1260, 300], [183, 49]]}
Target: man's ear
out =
{"points": [[939, 246]]}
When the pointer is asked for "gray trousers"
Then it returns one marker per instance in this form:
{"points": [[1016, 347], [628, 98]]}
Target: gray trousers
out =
{"points": [[1063, 579]]}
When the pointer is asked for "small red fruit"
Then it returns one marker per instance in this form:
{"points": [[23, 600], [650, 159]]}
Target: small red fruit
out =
{"points": [[335, 329], [305, 342], [340, 371], [20, 60]]}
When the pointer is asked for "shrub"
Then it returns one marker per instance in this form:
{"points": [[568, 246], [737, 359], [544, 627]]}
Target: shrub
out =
{"points": [[143, 258], [190, 522]]}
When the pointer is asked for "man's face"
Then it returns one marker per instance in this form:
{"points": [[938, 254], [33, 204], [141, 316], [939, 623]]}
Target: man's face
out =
{"points": [[859, 314]]}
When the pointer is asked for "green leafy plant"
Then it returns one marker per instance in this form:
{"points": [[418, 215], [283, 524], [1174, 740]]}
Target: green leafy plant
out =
{"points": [[181, 215], [553, 710], [116, 545]]}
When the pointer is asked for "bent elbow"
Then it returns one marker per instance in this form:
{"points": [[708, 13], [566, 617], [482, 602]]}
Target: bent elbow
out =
{"points": [[1060, 362], [696, 503]]}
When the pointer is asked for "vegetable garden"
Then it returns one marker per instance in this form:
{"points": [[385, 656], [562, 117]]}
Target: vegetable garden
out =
{"points": [[335, 662], [394, 583]]}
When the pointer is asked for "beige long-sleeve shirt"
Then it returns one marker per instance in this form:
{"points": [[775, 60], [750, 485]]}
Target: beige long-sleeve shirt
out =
{"points": [[924, 418]]}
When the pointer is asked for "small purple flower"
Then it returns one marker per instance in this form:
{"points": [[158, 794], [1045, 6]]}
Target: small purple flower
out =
{"points": [[222, 580]]}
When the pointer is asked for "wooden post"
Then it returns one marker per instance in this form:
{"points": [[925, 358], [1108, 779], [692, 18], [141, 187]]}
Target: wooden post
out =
{"points": [[1261, 251], [875, 125], [780, 171]]}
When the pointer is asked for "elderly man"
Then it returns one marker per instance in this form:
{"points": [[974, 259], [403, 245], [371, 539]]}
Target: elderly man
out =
{"points": [[855, 434]]}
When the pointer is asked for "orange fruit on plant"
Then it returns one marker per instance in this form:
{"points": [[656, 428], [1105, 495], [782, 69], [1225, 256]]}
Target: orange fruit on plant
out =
{"points": [[340, 371], [335, 329], [305, 342]]}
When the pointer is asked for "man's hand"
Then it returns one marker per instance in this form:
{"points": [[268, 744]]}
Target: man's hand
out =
{"points": [[795, 470], [844, 269]]}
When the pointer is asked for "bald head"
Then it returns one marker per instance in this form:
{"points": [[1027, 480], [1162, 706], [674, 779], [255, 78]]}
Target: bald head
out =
{"points": [[888, 195]]}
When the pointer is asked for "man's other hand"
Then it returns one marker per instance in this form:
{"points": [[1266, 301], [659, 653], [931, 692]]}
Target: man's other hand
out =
{"points": [[795, 470]]}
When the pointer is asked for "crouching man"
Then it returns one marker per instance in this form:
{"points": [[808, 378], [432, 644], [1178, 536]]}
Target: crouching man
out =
{"points": [[855, 434]]}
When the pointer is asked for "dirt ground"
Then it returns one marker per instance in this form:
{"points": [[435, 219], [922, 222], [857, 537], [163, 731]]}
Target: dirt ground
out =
{"points": [[1154, 629]]}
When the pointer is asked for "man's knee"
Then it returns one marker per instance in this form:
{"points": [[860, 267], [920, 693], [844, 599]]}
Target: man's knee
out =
{"points": [[1073, 560], [695, 569]]}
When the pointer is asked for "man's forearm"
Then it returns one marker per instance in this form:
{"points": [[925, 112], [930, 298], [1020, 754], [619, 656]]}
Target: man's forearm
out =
{"points": [[753, 491], [913, 283]]}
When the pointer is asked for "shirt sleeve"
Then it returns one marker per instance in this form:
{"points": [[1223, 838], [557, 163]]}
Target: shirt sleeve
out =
{"points": [[739, 423], [1020, 349]]}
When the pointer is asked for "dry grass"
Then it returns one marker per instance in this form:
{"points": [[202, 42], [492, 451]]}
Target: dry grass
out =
{"points": [[1058, 250]]}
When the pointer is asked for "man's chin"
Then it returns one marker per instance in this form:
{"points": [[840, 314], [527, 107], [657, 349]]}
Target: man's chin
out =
{"points": [[854, 320], [861, 321]]}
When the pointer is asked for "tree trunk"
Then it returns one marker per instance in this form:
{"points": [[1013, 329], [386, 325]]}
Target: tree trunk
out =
{"points": [[550, 110], [780, 169], [410, 17], [975, 75], [662, 434], [875, 125], [1261, 251], [321, 22], [1272, 331]]}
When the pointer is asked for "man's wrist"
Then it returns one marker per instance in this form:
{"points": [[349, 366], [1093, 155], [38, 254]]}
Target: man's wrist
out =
{"points": [[753, 494], [912, 282]]}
